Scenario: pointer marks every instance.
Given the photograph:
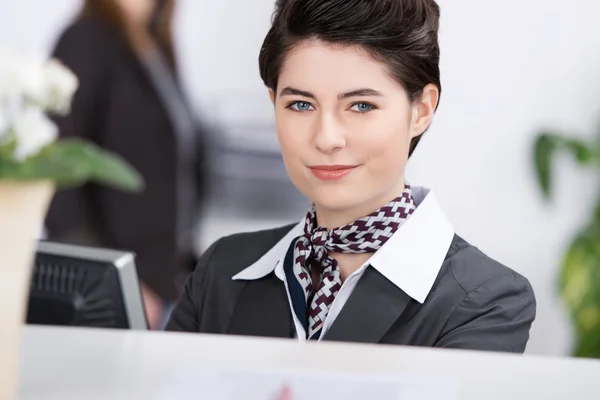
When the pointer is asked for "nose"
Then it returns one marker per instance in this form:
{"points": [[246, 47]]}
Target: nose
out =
{"points": [[329, 136]]}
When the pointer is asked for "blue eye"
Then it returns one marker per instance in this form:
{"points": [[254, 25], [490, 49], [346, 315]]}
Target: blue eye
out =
{"points": [[300, 106], [362, 107]]}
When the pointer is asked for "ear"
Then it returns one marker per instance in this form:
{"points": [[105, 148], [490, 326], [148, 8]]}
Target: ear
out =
{"points": [[424, 109], [272, 96]]}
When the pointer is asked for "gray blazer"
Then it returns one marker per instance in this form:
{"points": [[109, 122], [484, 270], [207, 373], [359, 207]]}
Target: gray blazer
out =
{"points": [[475, 303]]}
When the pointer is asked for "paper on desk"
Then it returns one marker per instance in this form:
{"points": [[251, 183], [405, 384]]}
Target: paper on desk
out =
{"points": [[304, 385]]}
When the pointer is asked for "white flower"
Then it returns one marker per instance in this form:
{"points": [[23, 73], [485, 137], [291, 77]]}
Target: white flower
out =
{"points": [[60, 84], [33, 131], [47, 84], [12, 78], [30, 86]]}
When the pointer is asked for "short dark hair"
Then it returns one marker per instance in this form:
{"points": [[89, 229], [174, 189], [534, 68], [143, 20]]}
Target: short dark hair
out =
{"points": [[401, 33]]}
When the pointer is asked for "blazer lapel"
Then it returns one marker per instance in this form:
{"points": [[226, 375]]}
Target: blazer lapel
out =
{"points": [[372, 308], [262, 309]]}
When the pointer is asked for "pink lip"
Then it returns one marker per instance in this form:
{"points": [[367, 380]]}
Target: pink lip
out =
{"points": [[331, 172]]}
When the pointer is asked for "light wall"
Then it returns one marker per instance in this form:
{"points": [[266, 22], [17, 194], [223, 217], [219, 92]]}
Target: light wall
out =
{"points": [[509, 68]]}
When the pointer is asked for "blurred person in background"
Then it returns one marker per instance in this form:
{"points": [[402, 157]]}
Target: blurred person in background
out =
{"points": [[130, 101]]}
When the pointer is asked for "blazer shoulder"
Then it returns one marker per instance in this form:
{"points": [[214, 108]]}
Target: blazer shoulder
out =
{"points": [[90, 34], [471, 268], [233, 253]]}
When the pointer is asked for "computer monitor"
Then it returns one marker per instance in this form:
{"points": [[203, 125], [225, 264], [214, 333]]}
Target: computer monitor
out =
{"points": [[76, 285]]}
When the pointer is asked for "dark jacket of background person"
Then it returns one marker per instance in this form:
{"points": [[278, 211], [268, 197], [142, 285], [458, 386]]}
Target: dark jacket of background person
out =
{"points": [[117, 107]]}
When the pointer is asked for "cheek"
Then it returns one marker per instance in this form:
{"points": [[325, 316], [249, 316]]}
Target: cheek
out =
{"points": [[294, 144], [292, 133], [386, 142]]}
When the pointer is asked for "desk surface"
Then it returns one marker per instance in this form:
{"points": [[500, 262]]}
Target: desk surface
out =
{"points": [[76, 363]]}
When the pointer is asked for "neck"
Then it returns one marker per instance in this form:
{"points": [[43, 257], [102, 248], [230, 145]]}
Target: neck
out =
{"points": [[141, 40], [334, 218], [348, 263]]}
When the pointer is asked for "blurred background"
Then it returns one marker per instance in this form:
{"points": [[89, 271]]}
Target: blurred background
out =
{"points": [[509, 69]]}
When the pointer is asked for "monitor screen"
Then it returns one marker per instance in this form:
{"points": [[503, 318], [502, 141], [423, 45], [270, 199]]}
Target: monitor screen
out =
{"points": [[74, 285]]}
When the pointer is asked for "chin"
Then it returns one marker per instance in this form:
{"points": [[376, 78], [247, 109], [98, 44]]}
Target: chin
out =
{"points": [[336, 198]]}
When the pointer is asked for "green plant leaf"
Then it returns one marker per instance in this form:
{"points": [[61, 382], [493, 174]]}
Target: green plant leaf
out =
{"points": [[580, 289], [597, 142], [72, 162], [99, 165], [45, 165], [545, 146], [7, 148], [543, 152]]}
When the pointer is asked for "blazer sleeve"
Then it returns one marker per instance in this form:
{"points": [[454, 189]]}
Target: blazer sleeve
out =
{"points": [[185, 317], [83, 49], [496, 316]]}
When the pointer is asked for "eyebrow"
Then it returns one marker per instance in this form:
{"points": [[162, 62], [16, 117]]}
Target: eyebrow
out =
{"points": [[290, 91], [359, 92]]}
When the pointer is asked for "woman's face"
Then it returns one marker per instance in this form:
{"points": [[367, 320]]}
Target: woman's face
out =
{"points": [[345, 126]]}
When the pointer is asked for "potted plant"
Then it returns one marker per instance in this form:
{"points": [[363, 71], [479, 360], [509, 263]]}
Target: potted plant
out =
{"points": [[34, 163], [580, 270]]}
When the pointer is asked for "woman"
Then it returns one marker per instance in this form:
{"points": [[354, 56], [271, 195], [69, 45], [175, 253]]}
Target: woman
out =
{"points": [[355, 84], [130, 101]]}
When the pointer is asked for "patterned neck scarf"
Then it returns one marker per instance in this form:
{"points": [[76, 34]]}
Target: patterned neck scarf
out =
{"points": [[365, 235]]}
